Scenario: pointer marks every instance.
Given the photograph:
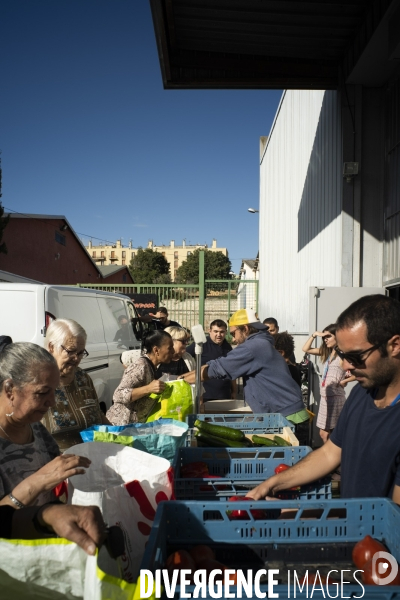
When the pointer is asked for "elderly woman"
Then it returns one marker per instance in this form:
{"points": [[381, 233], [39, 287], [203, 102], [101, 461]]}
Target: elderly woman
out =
{"points": [[77, 406], [30, 467], [132, 402], [181, 362]]}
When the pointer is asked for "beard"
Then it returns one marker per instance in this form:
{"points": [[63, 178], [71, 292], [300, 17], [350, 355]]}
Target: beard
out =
{"points": [[380, 376]]}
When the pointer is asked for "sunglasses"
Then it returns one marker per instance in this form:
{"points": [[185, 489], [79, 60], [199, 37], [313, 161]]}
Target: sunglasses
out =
{"points": [[357, 359]]}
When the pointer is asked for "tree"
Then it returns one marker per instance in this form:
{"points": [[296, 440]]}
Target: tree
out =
{"points": [[216, 266], [148, 266]]}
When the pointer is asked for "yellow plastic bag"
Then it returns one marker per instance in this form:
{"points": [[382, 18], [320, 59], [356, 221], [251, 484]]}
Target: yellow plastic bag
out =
{"points": [[175, 402]]}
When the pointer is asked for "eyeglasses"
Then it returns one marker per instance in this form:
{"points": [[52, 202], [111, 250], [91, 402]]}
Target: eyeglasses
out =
{"points": [[357, 359], [82, 354]]}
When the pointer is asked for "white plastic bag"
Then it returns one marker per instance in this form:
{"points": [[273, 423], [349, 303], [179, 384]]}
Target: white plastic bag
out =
{"points": [[127, 485]]}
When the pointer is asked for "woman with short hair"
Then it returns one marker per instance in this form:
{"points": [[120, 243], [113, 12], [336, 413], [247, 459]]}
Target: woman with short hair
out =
{"points": [[132, 402], [30, 465], [181, 362], [76, 402]]}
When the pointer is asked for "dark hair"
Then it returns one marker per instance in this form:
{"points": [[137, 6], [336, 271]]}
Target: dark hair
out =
{"points": [[153, 338], [271, 321], [381, 315], [218, 323], [324, 351], [5, 341], [163, 310], [285, 342]]}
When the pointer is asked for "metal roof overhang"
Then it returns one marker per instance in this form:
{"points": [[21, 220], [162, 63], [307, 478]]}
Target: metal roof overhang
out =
{"points": [[263, 44]]}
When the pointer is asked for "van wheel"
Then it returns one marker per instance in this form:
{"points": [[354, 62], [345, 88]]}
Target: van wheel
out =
{"points": [[103, 407]]}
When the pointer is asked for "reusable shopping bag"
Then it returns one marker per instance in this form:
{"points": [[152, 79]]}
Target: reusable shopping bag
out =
{"points": [[175, 402], [127, 485], [56, 569], [161, 438]]}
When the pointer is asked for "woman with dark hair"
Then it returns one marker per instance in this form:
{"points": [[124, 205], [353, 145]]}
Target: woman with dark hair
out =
{"points": [[333, 380], [132, 402]]}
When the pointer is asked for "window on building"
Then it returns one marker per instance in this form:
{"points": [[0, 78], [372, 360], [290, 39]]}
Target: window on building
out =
{"points": [[94, 254], [122, 261], [112, 254], [102, 254], [60, 238], [133, 255], [123, 254], [124, 278], [176, 254], [175, 264]]}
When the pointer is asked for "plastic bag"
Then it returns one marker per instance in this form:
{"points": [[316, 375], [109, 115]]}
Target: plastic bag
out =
{"points": [[127, 485], [175, 402], [161, 438]]}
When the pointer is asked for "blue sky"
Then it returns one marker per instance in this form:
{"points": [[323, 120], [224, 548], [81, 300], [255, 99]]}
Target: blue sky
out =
{"points": [[87, 131]]}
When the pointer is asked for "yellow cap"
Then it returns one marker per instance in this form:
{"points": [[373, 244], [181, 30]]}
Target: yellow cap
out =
{"points": [[245, 316]]}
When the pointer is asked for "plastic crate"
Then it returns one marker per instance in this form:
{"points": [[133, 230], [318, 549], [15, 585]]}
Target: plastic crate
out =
{"points": [[251, 423], [319, 533], [240, 471], [248, 423]]}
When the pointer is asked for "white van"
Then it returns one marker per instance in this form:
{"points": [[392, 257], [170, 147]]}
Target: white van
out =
{"points": [[27, 309]]}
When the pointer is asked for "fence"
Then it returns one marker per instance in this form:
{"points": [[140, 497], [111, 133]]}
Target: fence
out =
{"points": [[192, 304]]}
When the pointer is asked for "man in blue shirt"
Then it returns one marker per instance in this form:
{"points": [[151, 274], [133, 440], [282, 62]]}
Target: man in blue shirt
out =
{"points": [[366, 440]]}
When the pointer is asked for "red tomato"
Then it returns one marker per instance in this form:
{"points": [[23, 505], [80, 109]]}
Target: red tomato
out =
{"points": [[239, 515], [370, 578], [179, 560], [280, 468], [364, 550], [201, 553]]}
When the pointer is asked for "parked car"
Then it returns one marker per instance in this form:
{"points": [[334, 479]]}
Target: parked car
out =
{"points": [[26, 310]]}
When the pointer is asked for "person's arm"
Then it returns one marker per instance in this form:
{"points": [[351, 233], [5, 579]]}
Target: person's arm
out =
{"points": [[191, 376], [83, 525], [133, 387], [313, 466], [307, 346], [46, 478], [347, 380], [396, 494]]}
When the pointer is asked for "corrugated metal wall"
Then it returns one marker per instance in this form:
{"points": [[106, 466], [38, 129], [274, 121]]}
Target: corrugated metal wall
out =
{"points": [[392, 203], [300, 206]]}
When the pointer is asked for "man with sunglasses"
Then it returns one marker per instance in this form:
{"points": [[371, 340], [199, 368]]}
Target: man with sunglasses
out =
{"points": [[366, 440], [267, 383]]}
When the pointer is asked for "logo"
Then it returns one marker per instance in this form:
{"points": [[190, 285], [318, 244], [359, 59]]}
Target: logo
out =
{"points": [[384, 568]]}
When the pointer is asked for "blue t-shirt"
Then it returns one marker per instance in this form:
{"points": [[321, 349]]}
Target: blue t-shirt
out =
{"points": [[370, 442]]}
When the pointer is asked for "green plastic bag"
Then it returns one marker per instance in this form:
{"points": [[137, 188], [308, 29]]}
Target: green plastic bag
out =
{"points": [[175, 402]]}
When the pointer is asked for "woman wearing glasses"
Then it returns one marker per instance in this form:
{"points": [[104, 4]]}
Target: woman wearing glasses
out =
{"points": [[77, 406], [333, 380], [181, 361]]}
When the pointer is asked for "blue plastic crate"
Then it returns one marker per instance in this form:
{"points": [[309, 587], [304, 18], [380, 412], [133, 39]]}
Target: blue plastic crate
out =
{"points": [[240, 471], [326, 529], [252, 423], [248, 423]]}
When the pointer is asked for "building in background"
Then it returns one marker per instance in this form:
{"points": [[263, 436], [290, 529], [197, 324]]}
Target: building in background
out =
{"points": [[45, 248], [117, 254], [247, 291]]}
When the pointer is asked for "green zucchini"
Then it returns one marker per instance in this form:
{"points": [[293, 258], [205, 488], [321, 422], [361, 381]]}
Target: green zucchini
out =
{"points": [[220, 431], [280, 441], [256, 439], [215, 442]]}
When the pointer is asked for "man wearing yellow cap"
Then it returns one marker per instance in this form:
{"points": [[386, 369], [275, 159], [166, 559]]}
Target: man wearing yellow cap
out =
{"points": [[267, 383]]}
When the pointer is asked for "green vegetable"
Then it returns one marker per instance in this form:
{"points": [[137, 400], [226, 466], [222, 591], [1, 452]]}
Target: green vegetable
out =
{"points": [[207, 440], [256, 439], [220, 431], [280, 441]]}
